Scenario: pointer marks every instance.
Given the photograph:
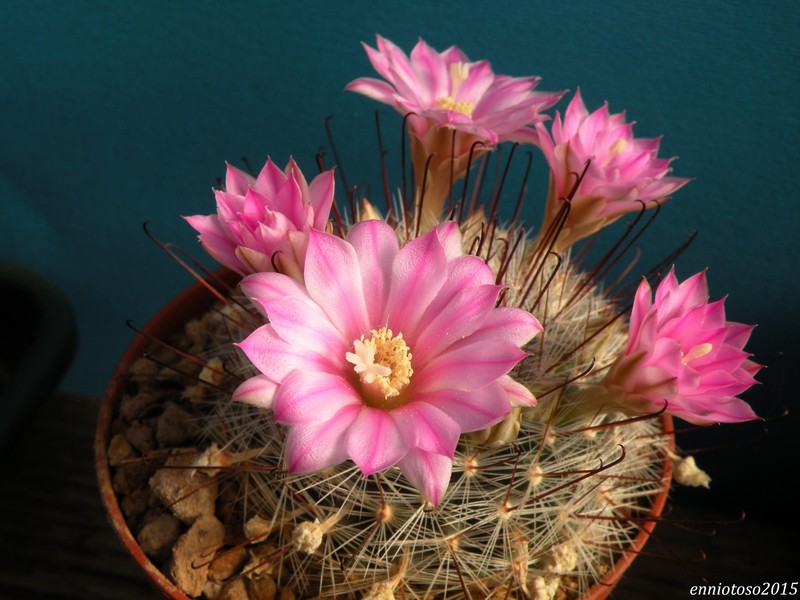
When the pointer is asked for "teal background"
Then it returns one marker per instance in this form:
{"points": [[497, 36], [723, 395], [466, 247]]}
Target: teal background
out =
{"points": [[113, 114]]}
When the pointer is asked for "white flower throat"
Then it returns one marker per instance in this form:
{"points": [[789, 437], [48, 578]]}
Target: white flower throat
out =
{"points": [[383, 360]]}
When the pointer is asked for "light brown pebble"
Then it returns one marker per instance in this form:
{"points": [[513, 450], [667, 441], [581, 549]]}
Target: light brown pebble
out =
{"points": [[263, 587], [130, 476], [169, 374], [212, 590], [143, 366], [119, 450], [135, 503], [190, 555], [235, 590], [141, 437], [260, 563], [227, 563], [257, 528], [187, 492], [159, 535], [194, 393], [175, 427], [213, 371], [133, 407], [162, 355], [287, 594], [196, 331]]}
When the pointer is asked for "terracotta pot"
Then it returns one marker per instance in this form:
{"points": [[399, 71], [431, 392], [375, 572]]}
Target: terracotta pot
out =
{"points": [[194, 302]]}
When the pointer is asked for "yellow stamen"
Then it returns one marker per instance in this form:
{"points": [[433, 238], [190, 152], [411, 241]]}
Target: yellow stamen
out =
{"points": [[383, 360], [696, 352], [458, 74], [617, 148], [445, 103], [462, 106]]}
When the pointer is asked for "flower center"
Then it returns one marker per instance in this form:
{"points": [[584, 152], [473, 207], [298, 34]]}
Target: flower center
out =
{"points": [[617, 148], [462, 106], [696, 352], [382, 361], [458, 73]]}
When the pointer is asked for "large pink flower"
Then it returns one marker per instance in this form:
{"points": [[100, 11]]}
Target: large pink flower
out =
{"points": [[682, 350], [264, 221], [385, 355], [624, 171], [447, 93]]}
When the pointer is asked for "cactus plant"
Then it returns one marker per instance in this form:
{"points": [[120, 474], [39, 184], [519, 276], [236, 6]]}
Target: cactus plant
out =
{"points": [[431, 402]]}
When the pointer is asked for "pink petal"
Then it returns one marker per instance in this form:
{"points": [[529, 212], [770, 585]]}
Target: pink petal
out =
{"points": [[270, 179], [428, 428], [723, 410], [417, 275], [738, 334], [373, 88], [512, 324], [458, 319], [265, 287], [374, 441], [216, 242], [376, 246], [290, 202], [401, 72], [479, 80], [643, 332], [307, 397], [518, 395], [293, 172], [321, 193], [463, 272], [258, 391], [432, 72], [643, 300], [450, 238], [428, 472], [525, 135], [471, 410], [301, 322], [237, 181], [276, 358], [333, 279], [314, 447], [469, 366]]}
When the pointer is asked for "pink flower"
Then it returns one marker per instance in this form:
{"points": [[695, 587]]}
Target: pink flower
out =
{"points": [[447, 93], [624, 171], [444, 89], [264, 221], [682, 350], [386, 355]]}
